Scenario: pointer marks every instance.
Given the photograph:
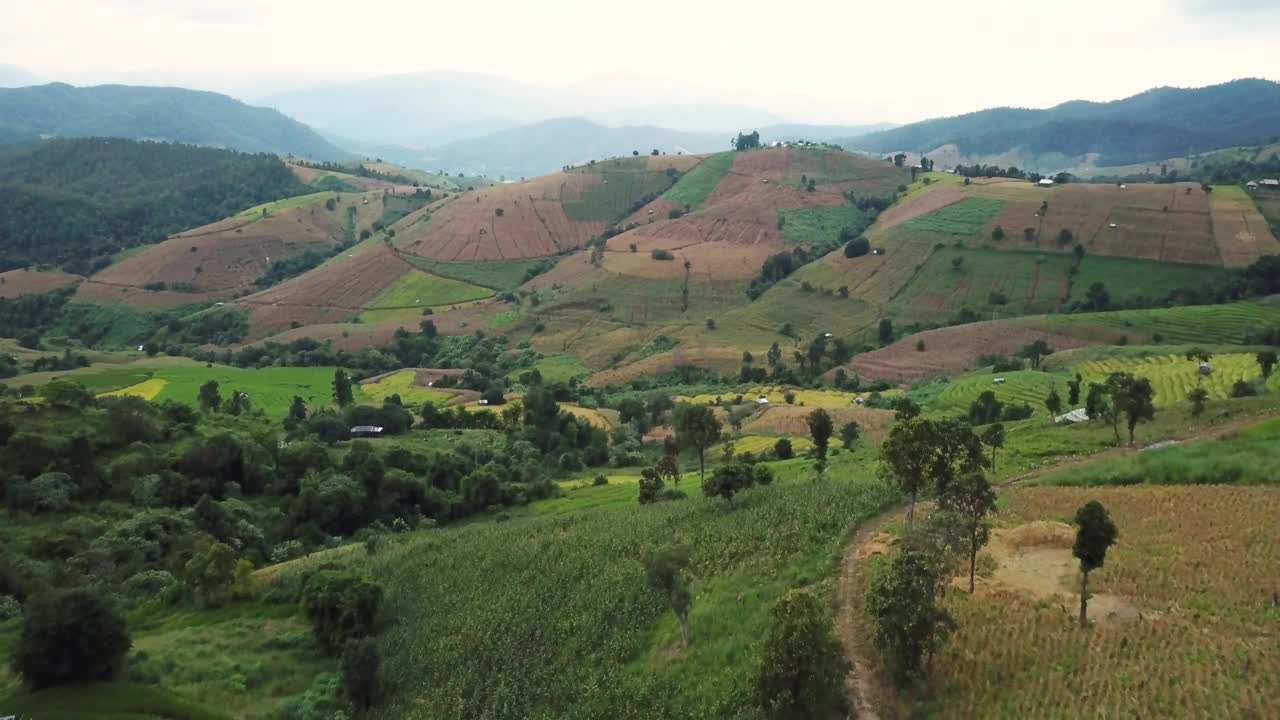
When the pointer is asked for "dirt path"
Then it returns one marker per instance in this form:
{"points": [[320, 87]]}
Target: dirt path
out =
{"points": [[870, 693]]}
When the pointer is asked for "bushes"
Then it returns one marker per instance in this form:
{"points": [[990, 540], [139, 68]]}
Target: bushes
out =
{"points": [[69, 637], [341, 606], [802, 665], [661, 254], [857, 247]]}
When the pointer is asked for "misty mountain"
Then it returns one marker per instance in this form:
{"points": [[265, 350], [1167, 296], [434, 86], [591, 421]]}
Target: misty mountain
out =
{"points": [[1160, 123], [818, 133], [549, 145], [155, 113], [14, 76]]}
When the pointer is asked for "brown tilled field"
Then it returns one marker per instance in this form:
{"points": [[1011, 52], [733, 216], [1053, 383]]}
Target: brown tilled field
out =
{"points": [[98, 293], [1241, 231], [714, 358], [31, 282], [309, 175], [793, 420], [532, 224]]}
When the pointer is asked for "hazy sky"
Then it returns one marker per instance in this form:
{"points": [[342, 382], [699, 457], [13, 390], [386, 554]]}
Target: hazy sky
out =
{"points": [[843, 60]]}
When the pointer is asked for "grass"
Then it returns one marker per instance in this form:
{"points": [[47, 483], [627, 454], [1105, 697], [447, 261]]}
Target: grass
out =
{"points": [[106, 701], [416, 290], [560, 367], [1203, 324], [497, 275], [624, 185], [965, 218], [1130, 280], [936, 180], [285, 204], [1020, 386], [1197, 562], [507, 640], [776, 395], [819, 225], [402, 384], [1173, 376], [694, 187]]}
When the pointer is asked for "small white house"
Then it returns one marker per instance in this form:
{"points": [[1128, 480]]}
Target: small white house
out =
{"points": [[1111, 225], [1046, 182], [998, 381], [858, 400], [762, 400], [1270, 183], [483, 401], [1252, 185]]}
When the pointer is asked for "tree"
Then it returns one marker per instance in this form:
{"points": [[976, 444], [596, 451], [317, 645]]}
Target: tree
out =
{"points": [[774, 356], [957, 264], [70, 636], [297, 412], [802, 666], [211, 571], [1242, 388], [1029, 234], [993, 437], [904, 408], [698, 428], [342, 394], [361, 671], [1199, 355], [820, 429], [998, 234], [849, 433], [902, 600], [1197, 397], [1095, 534], [985, 408], [857, 247], [651, 485], [1073, 390], [1053, 401], [970, 499], [210, 400], [668, 468], [664, 573], [1099, 406], [341, 605], [1097, 297], [1065, 237], [783, 449], [65, 393], [747, 142], [1267, 362], [886, 331], [728, 480], [1035, 352], [1132, 397]]}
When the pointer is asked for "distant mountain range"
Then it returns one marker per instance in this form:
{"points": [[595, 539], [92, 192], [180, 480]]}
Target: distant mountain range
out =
{"points": [[1160, 123], [14, 76], [155, 113]]}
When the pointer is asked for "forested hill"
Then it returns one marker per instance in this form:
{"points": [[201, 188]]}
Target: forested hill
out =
{"points": [[75, 202], [154, 113], [1160, 123]]}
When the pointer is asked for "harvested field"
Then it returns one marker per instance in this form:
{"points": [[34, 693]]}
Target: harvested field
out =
{"points": [[963, 218], [408, 385], [718, 260], [713, 358], [1195, 564], [931, 200], [1242, 233], [792, 420], [31, 282], [99, 293]]}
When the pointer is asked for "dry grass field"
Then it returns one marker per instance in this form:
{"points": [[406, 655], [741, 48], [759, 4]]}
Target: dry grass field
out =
{"points": [[30, 282]]}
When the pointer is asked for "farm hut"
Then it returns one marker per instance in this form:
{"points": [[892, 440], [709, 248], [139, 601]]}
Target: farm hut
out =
{"points": [[366, 431], [1078, 415], [1046, 182], [762, 400], [1206, 369], [999, 381], [1271, 184], [858, 400], [1252, 185]]}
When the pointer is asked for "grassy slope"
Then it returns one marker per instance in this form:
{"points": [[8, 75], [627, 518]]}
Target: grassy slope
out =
{"points": [[818, 224], [420, 289], [107, 701], [695, 186], [499, 275]]}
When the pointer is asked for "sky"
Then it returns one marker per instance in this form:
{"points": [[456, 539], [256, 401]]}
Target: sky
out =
{"points": [[816, 61]]}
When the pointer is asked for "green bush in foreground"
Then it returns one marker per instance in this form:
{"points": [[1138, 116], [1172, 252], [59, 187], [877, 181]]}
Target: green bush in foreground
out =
{"points": [[802, 666], [70, 637]]}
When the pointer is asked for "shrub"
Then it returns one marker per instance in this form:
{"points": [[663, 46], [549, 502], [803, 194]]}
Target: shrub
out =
{"points": [[802, 665], [9, 608], [661, 254], [857, 247], [152, 586], [783, 449], [599, 480], [69, 637], [1243, 388], [361, 669]]}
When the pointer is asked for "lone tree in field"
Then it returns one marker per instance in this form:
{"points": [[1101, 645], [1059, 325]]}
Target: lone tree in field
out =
{"points": [[210, 399], [342, 393], [998, 234], [802, 665], [668, 468], [664, 572], [650, 486], [1132, 397], [1053, 402], [1073, 390], [70, 636], [698, 428], [970, 498], [886, 331], [902, 600], [728, 480], [1095, 533], [1035, 352], [820, 429], [1267, 362], [849, 433], [904, 408], [993, 437], [921, 450], [1197, 397], [1199, 355]]}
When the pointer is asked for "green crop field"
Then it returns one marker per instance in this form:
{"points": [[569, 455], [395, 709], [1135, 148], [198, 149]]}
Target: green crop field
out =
{"points": [[558, 368], [402, 384], [1020, 386], [624, 186], [1128, 280], [819, 225], [107, 701], [1030, 283], [1173, 376], [496, 275], [285, 204], [1201, 324], [695, 186], [966, 217], [423, 290], [492, 595]]}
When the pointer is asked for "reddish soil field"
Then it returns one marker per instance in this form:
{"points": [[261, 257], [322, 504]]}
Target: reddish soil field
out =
{"points": [[30, 282], [533, 222], [793, 420], [1241, 232], [100, 293], [710, 260], [682, 163], [722, 359], [952, 350]]}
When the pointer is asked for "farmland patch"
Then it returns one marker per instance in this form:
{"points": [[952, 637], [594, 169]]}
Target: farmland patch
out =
{"points": [[964, 218]]}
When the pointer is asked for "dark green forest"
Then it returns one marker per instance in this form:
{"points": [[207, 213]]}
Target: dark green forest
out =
{"points": [[74, 203]]}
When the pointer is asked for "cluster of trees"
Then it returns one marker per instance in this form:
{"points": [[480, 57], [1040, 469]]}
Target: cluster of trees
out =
{"points": [[746, 142], [75, 202]]}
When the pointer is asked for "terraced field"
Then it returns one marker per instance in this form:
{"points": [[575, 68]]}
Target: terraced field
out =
{"points": [[499, 275], [818, 224], [1173, 376], [1203, 324], [404, 384], [964, 218], [693, 188], [423, 290], [1020, 386]]}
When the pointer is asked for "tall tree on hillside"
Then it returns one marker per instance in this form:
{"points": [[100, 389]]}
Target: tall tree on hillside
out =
{"points": [[1073, 390], [361, 672], [210, 399], [993, 437], [342, 392], [1197, 397], [1053, 402], [886, 331], [1132, 397], [746, 142], [903, 600], [1267, 362], [664, 573], [1095, 534], [1099, 406], [820, 429], [802, 665], [697, 427], [921, 450], [1097, 298], [774, 355], [297, 412], [970, 499], [849, 433], [1035, 352]]}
